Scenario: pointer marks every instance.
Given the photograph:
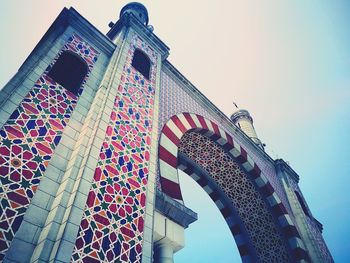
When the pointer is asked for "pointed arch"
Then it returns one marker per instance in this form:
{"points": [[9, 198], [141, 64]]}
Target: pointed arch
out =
{"points": [[170, 139]]}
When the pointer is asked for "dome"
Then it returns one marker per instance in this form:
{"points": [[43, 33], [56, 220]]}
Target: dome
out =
{"points": [[138, 10]]}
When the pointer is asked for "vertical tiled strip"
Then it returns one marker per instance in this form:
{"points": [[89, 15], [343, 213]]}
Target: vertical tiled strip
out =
{"points": [[113, 221], [147, 246], [29, 138]]}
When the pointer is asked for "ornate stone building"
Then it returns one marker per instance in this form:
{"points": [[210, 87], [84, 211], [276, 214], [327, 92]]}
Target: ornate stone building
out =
{"points": [[94, 128]]}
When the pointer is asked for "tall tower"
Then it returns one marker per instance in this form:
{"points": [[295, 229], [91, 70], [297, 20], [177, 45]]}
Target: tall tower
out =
{"points": [[243, 120]]}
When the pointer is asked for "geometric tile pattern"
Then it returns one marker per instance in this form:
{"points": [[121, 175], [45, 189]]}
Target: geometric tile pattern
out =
{"points": [[112, 226], [170, 139], [177, 96], [248, 203], [28, 140]]}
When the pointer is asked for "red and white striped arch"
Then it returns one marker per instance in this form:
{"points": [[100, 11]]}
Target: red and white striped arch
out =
{"points": [[170, 139]]}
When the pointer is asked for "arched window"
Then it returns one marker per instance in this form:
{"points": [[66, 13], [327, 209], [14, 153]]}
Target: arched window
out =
{"points": [[141, 63], [69, 71]]}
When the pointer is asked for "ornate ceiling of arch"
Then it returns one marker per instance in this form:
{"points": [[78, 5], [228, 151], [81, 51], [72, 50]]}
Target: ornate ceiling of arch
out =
{"points": [[250, 206]]}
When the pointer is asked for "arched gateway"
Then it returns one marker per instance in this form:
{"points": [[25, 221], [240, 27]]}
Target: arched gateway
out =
{"points": [[93, 130], [259, 222]]}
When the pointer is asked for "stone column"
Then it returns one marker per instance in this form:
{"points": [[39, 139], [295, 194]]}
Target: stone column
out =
{"points": [[163, 253], [171, 218]]}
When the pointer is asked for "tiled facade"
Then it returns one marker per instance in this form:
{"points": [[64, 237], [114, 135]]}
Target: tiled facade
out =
{"points": [[169, 161], [29, 139], [99, 206], [176, 97], [113, 221], [264, 235]]}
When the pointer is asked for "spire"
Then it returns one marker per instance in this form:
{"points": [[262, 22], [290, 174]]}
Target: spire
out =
{"points": [[243, 120]]}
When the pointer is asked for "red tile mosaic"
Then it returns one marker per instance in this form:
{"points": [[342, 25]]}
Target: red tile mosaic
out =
{"points": [[113, 221], [29, 138]]}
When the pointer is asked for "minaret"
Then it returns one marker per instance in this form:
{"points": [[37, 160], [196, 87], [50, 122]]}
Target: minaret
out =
{"points": [[242, 119]]}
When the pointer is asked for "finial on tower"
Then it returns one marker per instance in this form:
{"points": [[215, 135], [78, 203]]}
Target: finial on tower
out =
{"points": [[138, 10], [242, 119], [131, 11]]}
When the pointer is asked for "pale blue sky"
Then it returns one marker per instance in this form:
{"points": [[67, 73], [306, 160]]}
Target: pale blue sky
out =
{"points": [[287, 62]]}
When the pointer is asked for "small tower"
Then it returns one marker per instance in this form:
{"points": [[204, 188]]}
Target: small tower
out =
{"points": [[242, 119]]}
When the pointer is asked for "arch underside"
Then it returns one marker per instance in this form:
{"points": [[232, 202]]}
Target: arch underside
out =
{"points": [[171, 137], [252, 223]]}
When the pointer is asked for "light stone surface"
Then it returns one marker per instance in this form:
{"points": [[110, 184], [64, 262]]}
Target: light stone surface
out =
{"points": [[167, 231]]}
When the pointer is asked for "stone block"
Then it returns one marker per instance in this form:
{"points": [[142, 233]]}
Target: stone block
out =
{"points": [[41, 199], [46, 250], [64, 251], [71, 232], [50, 231], [147, 249], [48, 186], [59, 163], [19, 251], [36, 215], [27, 232], [80, 200], [76, 215]]}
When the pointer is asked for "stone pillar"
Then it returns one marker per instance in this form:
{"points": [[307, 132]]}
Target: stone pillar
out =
{"points": [[163, 253], [170, 220]]}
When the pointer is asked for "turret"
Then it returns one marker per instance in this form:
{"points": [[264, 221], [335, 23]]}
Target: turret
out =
{"points": [[243, 120]]}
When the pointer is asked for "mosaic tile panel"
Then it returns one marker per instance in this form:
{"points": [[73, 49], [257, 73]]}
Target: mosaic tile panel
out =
{"points": [[112, 226], [29, 138], [175, 99], [265, 236]]}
